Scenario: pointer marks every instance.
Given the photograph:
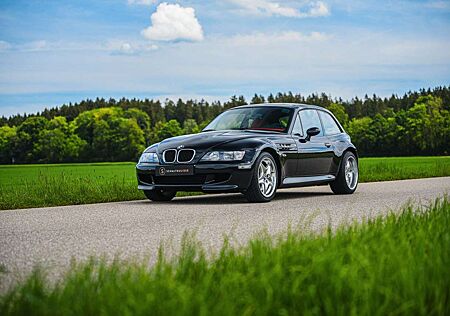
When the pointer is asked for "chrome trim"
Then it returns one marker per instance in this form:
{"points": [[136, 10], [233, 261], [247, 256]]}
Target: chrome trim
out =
{"points": [[287, 146], [186, 149], [219, 187], [310, 179], [177, 153], [175, 157], [351, 173], [267, 177], [245, 166], [146, 187], [205, 187]]}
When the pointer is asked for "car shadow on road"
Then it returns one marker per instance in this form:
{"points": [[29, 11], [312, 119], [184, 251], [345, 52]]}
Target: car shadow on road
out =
{"points": [[235, 198]]}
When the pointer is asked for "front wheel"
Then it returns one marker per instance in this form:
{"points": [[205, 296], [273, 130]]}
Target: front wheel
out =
{"points": [[347, 178], [264, 180], [160, 195]]}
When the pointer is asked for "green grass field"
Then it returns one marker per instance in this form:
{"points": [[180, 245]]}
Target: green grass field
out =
{"points": [[385, 169], [24, 186], [397, 265]]}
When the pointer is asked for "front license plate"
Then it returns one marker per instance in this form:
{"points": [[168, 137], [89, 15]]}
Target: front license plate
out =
{"points": [[175, 171]]}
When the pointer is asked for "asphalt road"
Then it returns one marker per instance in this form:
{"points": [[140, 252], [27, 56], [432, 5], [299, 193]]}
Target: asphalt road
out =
{"points": [[51, 237]]}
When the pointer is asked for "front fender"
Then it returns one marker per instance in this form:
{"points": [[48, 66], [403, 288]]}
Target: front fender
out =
{"points": [[256, 145], [266, 145]]}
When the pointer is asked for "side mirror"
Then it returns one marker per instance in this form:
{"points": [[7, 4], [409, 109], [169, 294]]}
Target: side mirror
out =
{"points": [[313, 131]]}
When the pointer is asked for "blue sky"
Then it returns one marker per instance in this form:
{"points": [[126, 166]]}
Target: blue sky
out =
{"points": [[55, 52]]}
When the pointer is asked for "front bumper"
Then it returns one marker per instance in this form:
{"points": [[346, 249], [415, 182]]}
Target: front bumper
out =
{"points": [[208, 177]]}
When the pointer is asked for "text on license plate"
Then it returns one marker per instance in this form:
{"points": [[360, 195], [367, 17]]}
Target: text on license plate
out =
{"points": [[175, 171]]}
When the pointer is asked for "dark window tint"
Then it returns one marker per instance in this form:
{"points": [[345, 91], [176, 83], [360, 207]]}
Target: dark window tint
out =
{"points": [[310, 118], [329, 124], [297, 129]]}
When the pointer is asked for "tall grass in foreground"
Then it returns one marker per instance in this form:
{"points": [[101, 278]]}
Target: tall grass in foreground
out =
{"points": [[398, 265]]}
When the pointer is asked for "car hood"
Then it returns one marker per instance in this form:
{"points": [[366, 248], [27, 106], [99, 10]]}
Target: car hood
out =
{"points": [[208, 140]]}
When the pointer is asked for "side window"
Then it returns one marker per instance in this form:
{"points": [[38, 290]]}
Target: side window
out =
{"points": [[297, 129], [329, 124], [310, 118]]}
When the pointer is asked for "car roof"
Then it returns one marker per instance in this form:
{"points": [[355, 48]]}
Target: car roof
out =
{"points": [[285, 105]]}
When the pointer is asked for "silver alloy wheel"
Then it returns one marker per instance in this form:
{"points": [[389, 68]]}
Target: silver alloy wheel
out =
{"points": [[351, 172], [267, 177]]}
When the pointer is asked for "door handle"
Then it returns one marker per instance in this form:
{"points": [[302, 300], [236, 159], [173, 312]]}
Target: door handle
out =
{"points": [[328, 145]]}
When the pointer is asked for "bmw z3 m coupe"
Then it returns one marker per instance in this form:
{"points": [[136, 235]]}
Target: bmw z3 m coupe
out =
{"points": [[255, 150]]}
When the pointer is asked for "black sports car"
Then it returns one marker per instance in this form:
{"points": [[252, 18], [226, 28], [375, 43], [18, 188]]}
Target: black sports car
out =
{"points": [[253, 149]]}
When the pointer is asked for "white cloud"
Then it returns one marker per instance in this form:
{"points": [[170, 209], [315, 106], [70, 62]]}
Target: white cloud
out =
{"points": [[119, 47], [150, 47], [126, 48], [318, 9], [142, 2], [266, 7], [172, 22], [266, 39], [4, 46], [34, 46], [269, 7], [111, 46], [440, 4]]}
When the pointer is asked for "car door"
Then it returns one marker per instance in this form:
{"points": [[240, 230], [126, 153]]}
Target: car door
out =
{"points": [[334, 134], [315, 156], [288, 147]]}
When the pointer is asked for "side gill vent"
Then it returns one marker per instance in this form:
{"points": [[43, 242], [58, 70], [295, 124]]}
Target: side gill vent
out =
{"points": [[287, 147]]}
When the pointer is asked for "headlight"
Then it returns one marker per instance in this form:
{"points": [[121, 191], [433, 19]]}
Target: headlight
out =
{"points": [[149, 158], [224, 155]]}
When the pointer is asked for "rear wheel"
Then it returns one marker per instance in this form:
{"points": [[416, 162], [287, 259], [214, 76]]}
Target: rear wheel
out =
{"points": [[160, 195], [348, 175], [264, 180]]}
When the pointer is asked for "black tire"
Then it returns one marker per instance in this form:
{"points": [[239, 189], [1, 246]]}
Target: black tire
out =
{"points": [[340, 185], [160, 195], [253, 193]]}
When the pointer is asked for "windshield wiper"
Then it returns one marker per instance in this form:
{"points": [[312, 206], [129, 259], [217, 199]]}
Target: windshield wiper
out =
{"points": [[263, 130], [209, 130]]}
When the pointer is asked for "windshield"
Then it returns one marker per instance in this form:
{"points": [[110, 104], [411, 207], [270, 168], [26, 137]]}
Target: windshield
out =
{"points": [[254, 118]]}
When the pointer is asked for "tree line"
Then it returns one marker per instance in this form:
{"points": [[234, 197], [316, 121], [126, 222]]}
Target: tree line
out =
{"points": [[417, 123]]}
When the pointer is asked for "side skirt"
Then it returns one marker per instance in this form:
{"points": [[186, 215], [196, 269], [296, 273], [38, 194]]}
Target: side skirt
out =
{"points": [[305, 181]]}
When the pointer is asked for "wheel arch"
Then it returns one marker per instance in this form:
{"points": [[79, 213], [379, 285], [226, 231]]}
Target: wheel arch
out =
{"points": [[348, 149], [276, 156], [352, 150]]}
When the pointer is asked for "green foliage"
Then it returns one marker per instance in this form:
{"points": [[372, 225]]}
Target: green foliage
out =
{"points": [[118, 130], [423, 128], [397, 265], [112, 134], [142, 119], [58, 142], [339, 111], [361, 133], [190, 127], [257, 99], [427, 124], [27, 136], [26, 186], [7, 139], [165, 130]]}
